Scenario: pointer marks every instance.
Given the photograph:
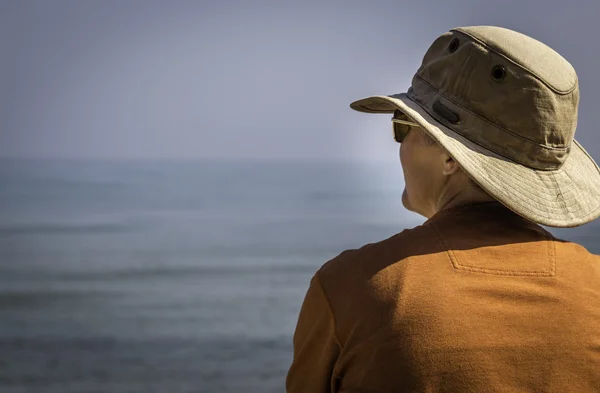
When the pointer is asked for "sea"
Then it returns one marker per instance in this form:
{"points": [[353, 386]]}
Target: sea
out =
{"points": [[176, 276]]}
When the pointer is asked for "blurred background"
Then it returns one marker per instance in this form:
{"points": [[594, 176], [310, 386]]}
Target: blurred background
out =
{"points": [[172, 174]]}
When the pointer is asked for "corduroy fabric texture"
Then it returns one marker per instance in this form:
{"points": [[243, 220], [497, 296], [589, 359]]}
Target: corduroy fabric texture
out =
{"points": [[477, 299]]}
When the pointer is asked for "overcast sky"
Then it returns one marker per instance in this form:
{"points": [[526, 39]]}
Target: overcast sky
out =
{"points": [[242, 79]]}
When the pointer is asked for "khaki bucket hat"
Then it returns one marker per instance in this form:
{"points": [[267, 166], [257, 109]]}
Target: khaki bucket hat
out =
{"points": [[504, 106]]}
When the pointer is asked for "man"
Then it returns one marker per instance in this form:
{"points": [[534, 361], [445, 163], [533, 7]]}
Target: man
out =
{"points": [[480, 298]]}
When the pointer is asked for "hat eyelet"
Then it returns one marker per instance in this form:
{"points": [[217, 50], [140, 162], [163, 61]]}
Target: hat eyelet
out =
{"points": [[498, 73], [453, 45]]}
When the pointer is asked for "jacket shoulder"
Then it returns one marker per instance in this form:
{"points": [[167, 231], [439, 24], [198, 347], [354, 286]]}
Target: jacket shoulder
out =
{"points": [[410, 242]]}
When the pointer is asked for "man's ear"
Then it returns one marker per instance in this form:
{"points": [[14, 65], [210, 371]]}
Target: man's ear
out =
{"points": [[450, 166]]}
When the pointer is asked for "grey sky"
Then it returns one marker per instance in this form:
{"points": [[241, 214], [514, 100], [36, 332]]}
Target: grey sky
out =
{"points": [[260, 79]]}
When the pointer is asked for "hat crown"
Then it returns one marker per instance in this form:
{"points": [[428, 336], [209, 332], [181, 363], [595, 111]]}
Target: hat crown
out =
{"points": [[528, 53], [503, 90]]}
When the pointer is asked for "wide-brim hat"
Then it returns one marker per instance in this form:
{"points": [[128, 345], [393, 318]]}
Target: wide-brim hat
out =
{"points": [[504, 106]]}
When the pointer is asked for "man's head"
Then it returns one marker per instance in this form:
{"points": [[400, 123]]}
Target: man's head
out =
{"points": [[433, 179], [504, 108]]}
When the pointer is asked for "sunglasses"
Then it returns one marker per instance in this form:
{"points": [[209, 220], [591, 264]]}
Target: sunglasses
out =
{"points": [[401, 126]]}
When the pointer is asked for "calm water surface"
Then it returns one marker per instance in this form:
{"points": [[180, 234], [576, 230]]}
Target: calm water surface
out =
{"points": [[175, 276]]}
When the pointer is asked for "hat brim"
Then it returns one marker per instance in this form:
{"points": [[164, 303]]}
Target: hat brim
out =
{"points": [[567, 197]]}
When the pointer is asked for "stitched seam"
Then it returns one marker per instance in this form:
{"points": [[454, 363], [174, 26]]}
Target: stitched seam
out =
{"points": [[497, 272], [551, 250], [557, 188], [506, 272], [449, 252], [578, 196], [553, 256], [329, 309], [588, 155], [467, 77], [551, 253], [554, 89], [490, 122]]}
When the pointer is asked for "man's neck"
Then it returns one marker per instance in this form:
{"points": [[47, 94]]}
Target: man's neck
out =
{"points": [[466, 196]]}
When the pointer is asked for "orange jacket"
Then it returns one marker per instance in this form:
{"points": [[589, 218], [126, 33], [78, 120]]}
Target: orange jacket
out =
{"points": [[477, 299]]}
